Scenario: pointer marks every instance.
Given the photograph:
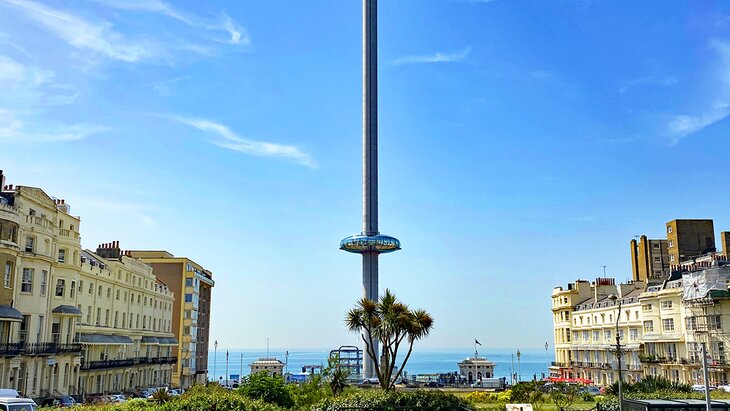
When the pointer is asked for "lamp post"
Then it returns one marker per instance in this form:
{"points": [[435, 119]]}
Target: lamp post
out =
{"points": [[215, 358], [618, 352], [519, 372], [547, 363], [227, 375]]}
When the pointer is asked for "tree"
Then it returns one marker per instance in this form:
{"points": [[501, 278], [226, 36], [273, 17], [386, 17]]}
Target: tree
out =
{"points": [[267, 388], [391, 323], [335, 375], [563, 395]]}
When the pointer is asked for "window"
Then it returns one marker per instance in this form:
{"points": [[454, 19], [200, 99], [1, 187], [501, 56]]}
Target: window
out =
{"points": [[98, 316], [101, 289], [668, 324], [657, 259], [23, 334], [109, 293], [666, 305], [648, 326], [607, 335], [91, 288], [188, 282], [60, 287], [8, 274], [81, 286], [671, 258], [118, 294], [189, 267], [29, 244], [88, 315], [633, 334], [621, 334], [669, 229], [61, 255], [655, 245], [691, 323], [671, 243], [586, 336], [188, 298], [596, 336], [715, 322], [26, 284], [44, 281]]}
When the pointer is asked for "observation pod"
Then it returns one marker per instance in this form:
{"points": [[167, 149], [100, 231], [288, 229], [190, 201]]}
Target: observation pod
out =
{"points": [[361, 243]]}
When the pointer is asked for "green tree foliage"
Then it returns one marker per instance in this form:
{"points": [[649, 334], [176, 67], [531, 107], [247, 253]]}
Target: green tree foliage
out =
{"points": [[422, 400], [520, 392], [650, 384], [336, 376], [393, 324], [270, 389], [161, 396], [563, 395]]}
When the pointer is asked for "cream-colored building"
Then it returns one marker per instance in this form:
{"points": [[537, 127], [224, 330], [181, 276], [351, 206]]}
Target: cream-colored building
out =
{"points": [[474, 369], [126, 323], [271, 366], [71, 321], [662, 326]]}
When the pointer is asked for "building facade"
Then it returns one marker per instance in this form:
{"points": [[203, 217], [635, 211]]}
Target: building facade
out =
{"points": [[192, 285], [65, 328], [661, 327], [649, 259], [126, 324], [689, 238]]}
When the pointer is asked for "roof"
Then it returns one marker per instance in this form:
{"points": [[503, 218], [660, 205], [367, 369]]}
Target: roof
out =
{"points": [[477, 361], [66, 310], [104, 339], [8, 313]]}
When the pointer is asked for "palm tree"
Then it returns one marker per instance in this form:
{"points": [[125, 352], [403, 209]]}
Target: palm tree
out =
{"points": [[393, 324]]}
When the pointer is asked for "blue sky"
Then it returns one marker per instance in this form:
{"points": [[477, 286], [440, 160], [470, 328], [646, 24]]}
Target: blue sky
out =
{"points": [[522, 145]]}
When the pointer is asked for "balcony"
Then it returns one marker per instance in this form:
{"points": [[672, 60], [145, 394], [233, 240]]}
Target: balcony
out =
{"points": [[105, 364], [68, 233], [127, 362], [38, 349]]}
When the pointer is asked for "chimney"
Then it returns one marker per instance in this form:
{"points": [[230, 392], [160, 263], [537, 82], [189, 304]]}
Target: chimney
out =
{"points": [[2, 179], [110, 251]]}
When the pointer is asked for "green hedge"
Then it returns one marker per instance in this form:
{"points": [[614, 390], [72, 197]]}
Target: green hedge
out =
{"points": [[418, 400]]}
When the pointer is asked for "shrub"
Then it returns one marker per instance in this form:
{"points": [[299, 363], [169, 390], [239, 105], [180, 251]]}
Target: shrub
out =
{"points": [[479, 397], [422, 400], [270, 389]]}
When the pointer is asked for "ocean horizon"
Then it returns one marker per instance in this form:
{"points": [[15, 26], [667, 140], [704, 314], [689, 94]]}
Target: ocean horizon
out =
{"points": [[533, 362]]}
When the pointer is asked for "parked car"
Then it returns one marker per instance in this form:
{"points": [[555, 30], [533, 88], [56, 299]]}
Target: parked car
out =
{"points": [[434, 384], [62, 401], [724, 387], [176, 391], [590, 389], [701, 388], [9, 393], [18, 404], [117, 398]]}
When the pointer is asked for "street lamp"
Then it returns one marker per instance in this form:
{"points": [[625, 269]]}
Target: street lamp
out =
{"points": [[547, 364], [519, 373], [215, 357], [618, 352]]}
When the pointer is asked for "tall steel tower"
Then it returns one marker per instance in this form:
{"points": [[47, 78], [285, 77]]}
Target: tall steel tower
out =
{"points": [[370, 243]]}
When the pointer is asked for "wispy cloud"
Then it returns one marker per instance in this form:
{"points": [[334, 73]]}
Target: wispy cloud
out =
{"points": [[12, 127], [434, 58], [82, 34], [232, 141], [717, 107], [664, 81], [31, 85], [236, 34]]}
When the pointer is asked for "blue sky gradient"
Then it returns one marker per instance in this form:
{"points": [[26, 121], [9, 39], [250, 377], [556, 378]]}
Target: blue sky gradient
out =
{"points": [[522, 145]]}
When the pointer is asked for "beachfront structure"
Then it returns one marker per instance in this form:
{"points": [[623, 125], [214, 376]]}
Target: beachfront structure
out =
{"points": [[662, 326], [63, 320], [474, 369], [370, 243], [271, 366], [192, 285]]}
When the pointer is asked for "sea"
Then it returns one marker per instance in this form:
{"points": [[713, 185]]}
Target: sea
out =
{"points": [[533, 363]]}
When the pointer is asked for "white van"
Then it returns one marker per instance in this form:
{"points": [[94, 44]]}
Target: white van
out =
{"points": [[17, 404], [9, 393]]}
